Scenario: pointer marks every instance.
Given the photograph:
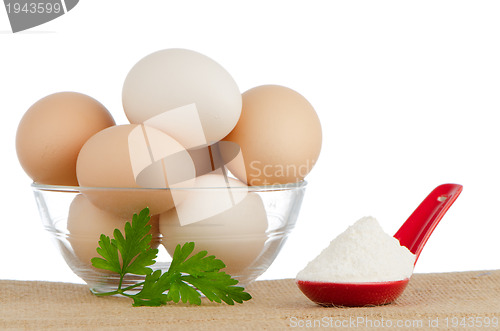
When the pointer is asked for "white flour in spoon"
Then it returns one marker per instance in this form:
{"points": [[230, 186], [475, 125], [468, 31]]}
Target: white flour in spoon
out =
{"points": [[363, 253]]}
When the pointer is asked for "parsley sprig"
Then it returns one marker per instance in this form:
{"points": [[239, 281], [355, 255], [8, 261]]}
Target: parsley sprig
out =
{"points": [[188, 274]]}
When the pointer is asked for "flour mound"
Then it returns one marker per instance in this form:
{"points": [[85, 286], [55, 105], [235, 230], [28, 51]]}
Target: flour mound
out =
{"points": [[363, 253]]}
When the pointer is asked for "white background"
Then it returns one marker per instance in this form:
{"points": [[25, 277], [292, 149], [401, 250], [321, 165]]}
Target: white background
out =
{"points": [[408, 94]]}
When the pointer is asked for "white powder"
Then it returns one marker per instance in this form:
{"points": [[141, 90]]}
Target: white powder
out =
{"points": [[363, 253]]}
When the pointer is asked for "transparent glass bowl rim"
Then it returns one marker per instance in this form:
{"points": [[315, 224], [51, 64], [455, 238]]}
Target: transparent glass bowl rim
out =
{"points": [[77, 189]]}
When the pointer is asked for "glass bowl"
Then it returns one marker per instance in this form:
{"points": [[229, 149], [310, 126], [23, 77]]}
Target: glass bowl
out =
{"points": [[247, 236]]}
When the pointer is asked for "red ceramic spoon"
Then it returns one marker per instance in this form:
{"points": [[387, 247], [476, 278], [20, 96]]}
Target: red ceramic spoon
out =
{"points": [[413, 234]]}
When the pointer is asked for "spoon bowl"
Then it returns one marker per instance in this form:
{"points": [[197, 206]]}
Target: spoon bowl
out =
{"points": [[413, 234], [352, 294]]}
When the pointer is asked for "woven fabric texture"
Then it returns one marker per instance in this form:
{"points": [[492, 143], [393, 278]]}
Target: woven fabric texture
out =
{"points": [[431, 301]]}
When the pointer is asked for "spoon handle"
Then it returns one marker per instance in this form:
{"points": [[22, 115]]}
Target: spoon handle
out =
{"points": [[415, 232]]}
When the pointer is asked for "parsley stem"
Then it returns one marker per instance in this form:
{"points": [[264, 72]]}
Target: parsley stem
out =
{"points": [[121, 281], [120, 290], [105, 294], [132, 286]]}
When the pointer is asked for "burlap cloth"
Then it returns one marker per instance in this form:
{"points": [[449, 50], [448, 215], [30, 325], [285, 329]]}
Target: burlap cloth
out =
{"points": [[454, 301]]}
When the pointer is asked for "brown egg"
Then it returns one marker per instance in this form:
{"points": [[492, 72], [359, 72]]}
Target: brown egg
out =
{"points": [[86, 223], [52, 132], [279, 134], [132, 165]]}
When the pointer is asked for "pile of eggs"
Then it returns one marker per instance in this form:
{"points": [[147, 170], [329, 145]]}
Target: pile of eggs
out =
{"points": [[192, 148]]}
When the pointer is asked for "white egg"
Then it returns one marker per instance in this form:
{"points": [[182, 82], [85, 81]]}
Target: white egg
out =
{"points": [[179, 86], [236, 235], [211, 194]]}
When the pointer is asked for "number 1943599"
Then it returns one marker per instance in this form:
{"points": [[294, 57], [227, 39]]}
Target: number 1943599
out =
{"points": [[34, 8]]}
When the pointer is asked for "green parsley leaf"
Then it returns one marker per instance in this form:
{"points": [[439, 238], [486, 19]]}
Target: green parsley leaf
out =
{"points": [[203, 272], [188, 274], [133, 248], [152, 292]]}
